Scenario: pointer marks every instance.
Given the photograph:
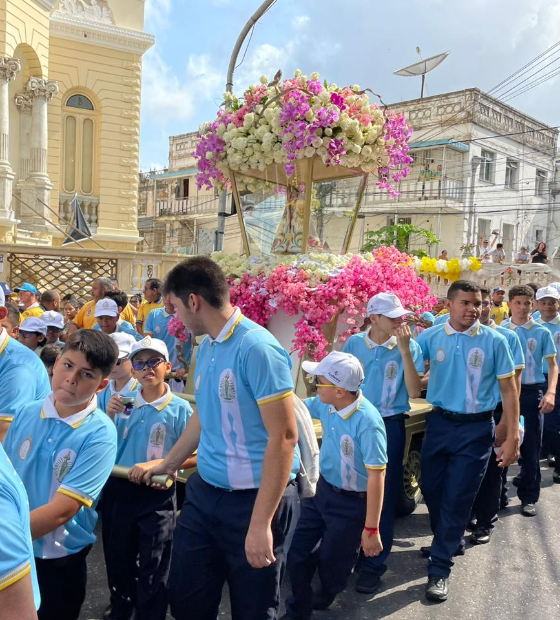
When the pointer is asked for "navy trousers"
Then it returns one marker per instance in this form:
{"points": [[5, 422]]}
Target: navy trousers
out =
{"points": [[137, 534], [529, 486], [551, 430], [336, 522], [487, 502], [396, 438], [209, 549], [453, 462]]}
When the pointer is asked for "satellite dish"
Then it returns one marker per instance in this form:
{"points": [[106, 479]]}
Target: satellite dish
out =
{"points": [[422, 67]]}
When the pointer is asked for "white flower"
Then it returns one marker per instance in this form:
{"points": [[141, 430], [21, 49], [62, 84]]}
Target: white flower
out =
{"points": [[309, 115], [297, 73], [314, 76], [248, 120], [328, 131], [263, 79]]}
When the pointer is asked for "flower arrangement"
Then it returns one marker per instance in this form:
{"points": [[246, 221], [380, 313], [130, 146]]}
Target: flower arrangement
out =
{"points": [[282, 121], [177, 329], [451, 270], [320, 287]]}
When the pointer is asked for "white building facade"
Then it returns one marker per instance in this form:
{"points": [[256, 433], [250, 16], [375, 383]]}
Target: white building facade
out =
{"points": [[479, 166]]}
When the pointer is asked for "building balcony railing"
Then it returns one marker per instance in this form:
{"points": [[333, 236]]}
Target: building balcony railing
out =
{"points": [[413, 190], [187, 207], [88, 204]]}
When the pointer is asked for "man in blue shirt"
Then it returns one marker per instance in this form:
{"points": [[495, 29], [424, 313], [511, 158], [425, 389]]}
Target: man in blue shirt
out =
{"points": [[19, 591], [22, 375], [393, 363], [537, 397], [548, 303], [345, 512], [466, 359], [491, 493], [241, 507], [64, 448]]}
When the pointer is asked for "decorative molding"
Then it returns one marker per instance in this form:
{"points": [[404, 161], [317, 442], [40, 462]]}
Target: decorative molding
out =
{"points": [[46, 4], [24, 103], [100, 34], [39, 88], [89, 10], [9, 68]]}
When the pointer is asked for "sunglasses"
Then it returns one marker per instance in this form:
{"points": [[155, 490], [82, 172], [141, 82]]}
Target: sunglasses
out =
{"points": [[152, 363], [322, 385], [121, 360], [25, 334]]}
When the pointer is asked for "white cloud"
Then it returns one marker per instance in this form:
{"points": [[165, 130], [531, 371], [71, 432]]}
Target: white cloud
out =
{"points": [[157, 13], [203, 77], [300, 21]]}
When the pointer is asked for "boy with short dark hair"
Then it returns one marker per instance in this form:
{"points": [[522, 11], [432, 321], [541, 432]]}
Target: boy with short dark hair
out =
{"points": [[121, 390], [63, 449], [11, 321], [48, 355], [54, 323], [107, 313], [140, 520], [345, 512], [537, 395]]}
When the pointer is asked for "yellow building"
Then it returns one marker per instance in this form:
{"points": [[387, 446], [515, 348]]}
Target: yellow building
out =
{"points": [[70, 79]]}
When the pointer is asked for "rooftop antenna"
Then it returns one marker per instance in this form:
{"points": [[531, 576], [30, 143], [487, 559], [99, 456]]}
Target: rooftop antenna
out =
{"points": [[422, 67]]}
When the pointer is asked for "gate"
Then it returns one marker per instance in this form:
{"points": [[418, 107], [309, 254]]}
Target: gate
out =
{"points": [[61, 273]]}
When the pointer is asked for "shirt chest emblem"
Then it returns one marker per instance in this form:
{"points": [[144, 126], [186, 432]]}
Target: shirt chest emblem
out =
{"points": [[197, 383], [476, 358], [158, 329], [24, 448], [391, 371], [557, 338], [63, 464], [227, 389], [531, 345], [88, 313], [440, 355], [157, 435], [347, 446]]}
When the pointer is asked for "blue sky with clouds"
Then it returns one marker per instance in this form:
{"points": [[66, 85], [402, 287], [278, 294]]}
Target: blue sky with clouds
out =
{"points": [[346, 41]]}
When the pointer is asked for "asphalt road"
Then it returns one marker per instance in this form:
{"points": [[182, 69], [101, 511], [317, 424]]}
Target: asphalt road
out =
{"points": [[516, 576]]}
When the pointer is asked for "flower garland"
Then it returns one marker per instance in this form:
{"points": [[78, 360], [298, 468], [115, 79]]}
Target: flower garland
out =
{"points": [[176, 328], [450, 270], [283, 121], [321, 287]]}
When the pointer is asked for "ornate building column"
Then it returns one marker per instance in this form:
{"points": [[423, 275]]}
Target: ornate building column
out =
{"points": [[24, 103], [9, 68]]}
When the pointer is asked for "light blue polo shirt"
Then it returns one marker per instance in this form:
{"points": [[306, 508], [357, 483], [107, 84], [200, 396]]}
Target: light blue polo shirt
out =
{"points": [[125, 327], [464, 366], [16, 548], [440, 319], [129, 390], [23, 377], [157, 325], [354, 440], [384, 384], [538, 345], [515, 348], [152, 429], [73, 456], [243, 368], [554, 328]]}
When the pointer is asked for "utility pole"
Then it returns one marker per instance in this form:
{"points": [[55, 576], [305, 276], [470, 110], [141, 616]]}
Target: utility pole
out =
{"points": [[220, 232], [471, 234]]}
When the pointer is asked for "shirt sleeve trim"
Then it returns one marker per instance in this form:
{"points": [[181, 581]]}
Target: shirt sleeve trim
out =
{"points": [[520, 367], [85, 499], [376, 467], [549, 355], [11, 578], [6, 418], [272, 399], [506, 376]]}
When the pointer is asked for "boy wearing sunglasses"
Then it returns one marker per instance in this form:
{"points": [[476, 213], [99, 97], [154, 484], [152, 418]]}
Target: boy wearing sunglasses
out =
{"points": [[138, 520], [33, 334], [345, 512], [118, 397]]}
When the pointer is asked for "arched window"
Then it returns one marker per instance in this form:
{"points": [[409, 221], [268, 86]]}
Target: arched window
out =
{"points": [[79, 138]]}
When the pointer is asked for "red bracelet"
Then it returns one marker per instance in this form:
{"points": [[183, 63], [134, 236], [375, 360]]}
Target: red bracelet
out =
{"points": [[371, 530]]}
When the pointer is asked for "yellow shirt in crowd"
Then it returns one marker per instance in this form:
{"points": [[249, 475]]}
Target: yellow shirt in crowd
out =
{"points": [[86, 316], [33, 310], [499, 313], [145, 308]]}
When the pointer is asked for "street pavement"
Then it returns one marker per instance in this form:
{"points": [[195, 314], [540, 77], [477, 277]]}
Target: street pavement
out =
{"points": [[516, 576]]}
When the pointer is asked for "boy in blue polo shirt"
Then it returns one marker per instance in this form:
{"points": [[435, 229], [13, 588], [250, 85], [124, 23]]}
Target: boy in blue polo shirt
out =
{"points": [[107, 313], [548, 303], [466, 359], [393, 363], [138, 521], [122, 385], [22, 375], [64, 448], [346, 509], [19, 591], [536, 396]]}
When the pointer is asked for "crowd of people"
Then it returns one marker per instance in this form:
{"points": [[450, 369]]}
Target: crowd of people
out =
{"points": [[87, 387]]}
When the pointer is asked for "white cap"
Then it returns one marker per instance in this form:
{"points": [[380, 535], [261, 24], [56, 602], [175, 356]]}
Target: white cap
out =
{"points": [[51, 318], [33, 324], [106, 307], [125, 342], [387, 304], [555, 285], [150, 344], [547, 291], [341, 369]]}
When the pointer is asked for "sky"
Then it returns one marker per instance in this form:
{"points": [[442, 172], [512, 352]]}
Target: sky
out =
{"points": [[348, 42]]}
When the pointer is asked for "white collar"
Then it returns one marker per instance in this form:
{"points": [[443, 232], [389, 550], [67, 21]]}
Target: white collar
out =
{"points": [[158, 404], [166, 314], [227, 329], [492, 324], [35, 305], [49, 411], [527, 325], [472, 331], [388, 344], [128, 387], [554, 321], [4, 338], [347, 411]]}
